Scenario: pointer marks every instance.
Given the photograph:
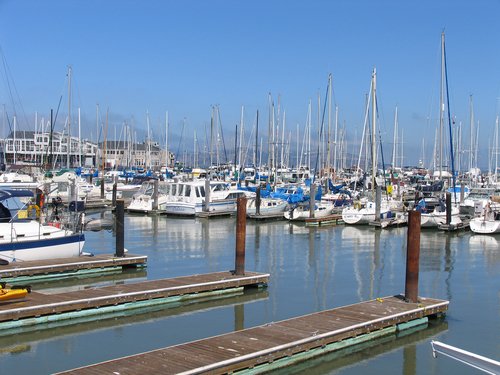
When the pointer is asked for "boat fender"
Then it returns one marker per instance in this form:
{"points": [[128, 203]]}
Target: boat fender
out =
{"points": [[357, 205], [35, 207]]}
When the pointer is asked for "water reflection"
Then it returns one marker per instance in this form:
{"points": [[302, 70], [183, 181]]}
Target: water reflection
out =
{"points": [[311, 268], [16, 337]]}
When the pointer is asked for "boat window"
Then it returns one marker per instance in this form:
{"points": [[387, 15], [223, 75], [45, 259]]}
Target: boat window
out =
{"points": [[5, 215], [187, 190], [201, 191], [173, 190]]}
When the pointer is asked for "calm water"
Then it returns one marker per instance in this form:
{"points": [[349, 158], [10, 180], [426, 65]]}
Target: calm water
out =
{"points": [[311, 269]]}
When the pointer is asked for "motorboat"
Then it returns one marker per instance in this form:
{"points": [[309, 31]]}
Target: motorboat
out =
{"points": [[302, 212], [268, 207], [190, 198], [143, 201], [488, 222], [362, 213]]}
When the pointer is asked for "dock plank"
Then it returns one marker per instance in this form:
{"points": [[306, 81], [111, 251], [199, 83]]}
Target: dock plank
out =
{"points": [[263, 344]]}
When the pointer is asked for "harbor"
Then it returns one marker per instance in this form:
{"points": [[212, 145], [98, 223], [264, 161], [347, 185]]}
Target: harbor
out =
{"points": [[186, 193], [312, 269]]}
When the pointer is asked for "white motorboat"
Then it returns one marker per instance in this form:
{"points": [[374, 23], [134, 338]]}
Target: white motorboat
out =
{"points": [[302, 212], [363, 214], [268, 207], [488, 222], [143, 200], [189, 198]]}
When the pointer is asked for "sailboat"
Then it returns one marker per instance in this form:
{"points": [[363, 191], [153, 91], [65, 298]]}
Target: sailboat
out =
{"points": [[364, 211], [434, 215]]}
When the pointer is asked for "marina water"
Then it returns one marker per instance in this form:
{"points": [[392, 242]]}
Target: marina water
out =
{"points": [[312, 269]]}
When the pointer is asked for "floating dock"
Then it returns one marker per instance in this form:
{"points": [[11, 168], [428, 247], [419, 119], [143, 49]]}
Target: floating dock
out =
{"points": [[37, 308], [280, 344], [68, 267], [327, 220], [275, 216], [453, 227]]}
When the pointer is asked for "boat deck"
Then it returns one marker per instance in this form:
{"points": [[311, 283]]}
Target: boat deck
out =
{"points": [[279, 344], [68, 266]]}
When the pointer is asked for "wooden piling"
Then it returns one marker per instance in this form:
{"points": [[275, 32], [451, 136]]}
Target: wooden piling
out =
{"points": [[102, 186], [120, 228], [378, 202], [412, 257], [257, 201], [114, 192], [241, 221], [448, 208], [206, 206], [312, 200], [155, 195]]}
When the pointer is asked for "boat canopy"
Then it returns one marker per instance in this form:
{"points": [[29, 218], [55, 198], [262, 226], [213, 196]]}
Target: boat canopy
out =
{"points": [[10, 193]]}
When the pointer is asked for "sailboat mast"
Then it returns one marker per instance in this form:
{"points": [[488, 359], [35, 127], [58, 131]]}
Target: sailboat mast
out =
{"points": [[441, 109], [374, 128], [167, 158], [69, 117]]}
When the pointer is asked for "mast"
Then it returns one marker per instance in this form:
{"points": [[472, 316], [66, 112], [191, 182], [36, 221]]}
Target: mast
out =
{"points": [[441, 109], [256, 140], [79, 139], [395, 141], [496, 149], [69, 117], [374, 128], [167, 156]]}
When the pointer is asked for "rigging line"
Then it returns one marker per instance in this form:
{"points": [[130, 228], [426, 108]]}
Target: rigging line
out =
{"points": [[180, 139], [7, 80]]}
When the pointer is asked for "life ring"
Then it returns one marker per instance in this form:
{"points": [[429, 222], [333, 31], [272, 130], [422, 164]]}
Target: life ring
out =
{"points": [[34, 207]]}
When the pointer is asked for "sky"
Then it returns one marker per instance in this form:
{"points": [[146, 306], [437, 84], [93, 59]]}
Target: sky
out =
{"points": [[134, 59]]}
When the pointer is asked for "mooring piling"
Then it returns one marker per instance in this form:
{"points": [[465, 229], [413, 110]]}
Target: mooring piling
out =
{"points": [[257, 201], [120, 228], [448, 208], [412, 256], [155, 195], [241, 222]]}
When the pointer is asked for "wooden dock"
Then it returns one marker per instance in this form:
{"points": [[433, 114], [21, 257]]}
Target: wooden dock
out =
{"points": [[68, 267], [38, 308], [279, 344], [275, 216], [327, 220]]}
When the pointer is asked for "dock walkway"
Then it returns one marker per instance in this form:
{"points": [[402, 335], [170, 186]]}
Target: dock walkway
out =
{"points": [[40, 308], [279, 344], [51, 268]]}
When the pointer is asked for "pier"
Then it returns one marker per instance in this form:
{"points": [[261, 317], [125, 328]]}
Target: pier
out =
{"points": [[279, 344], [38, 308], [68, 267]]}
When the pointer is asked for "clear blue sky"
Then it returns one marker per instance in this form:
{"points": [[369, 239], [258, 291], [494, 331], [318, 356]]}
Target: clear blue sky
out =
{"points": [[185, 56]]}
